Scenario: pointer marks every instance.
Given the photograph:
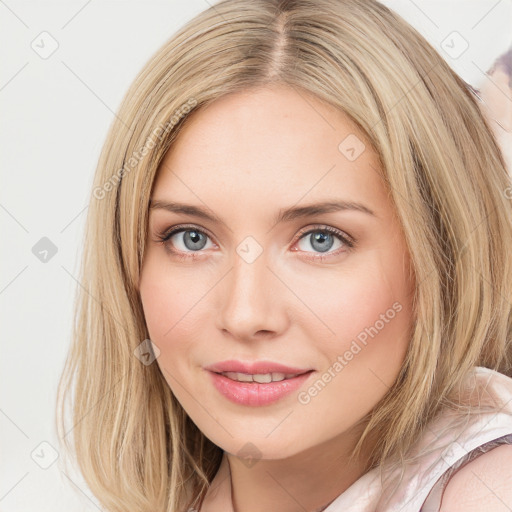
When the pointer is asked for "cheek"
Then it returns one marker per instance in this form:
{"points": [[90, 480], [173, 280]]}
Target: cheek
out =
{"points": [[351, 301], [367, 313], [362, 359], [163, 307], [168, 296], [171, 302], [168, 302]]}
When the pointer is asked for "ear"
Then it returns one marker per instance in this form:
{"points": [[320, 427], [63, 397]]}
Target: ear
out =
{"points": [[496, 95]]}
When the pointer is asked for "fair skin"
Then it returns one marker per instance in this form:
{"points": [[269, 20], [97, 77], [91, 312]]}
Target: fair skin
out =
{"points": [[483, 484], [244, 158]]}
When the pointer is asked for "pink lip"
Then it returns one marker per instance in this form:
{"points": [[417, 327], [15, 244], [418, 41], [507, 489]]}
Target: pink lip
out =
{"points": [[254, 368], [255, 393]]}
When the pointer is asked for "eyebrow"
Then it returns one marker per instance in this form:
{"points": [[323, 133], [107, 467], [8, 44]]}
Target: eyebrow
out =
{"points": [[283, 215]]}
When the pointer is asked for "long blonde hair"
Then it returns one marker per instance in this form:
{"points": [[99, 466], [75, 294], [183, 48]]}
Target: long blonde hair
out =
{"points": [[135, 445]]}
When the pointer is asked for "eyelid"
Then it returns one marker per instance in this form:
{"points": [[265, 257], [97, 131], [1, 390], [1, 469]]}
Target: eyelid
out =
{"points": [[345, 237], [164, 235]]}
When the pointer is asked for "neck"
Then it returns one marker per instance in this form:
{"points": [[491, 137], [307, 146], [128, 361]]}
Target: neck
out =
{"points": [[307, 481]]}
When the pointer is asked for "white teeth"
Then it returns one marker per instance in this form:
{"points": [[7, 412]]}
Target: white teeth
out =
{"points": [[260, 377], [242, 377]]}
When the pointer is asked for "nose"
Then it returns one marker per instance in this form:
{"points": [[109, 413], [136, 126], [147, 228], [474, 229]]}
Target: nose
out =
{"points": [[252, 301]]}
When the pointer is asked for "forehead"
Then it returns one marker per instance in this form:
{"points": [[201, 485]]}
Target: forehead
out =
{"points": [[270, 146]]}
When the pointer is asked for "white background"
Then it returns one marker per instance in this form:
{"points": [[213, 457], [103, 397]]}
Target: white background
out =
{"points": [[55, 114]]}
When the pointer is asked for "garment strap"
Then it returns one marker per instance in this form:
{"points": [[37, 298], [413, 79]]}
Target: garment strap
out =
{"points": [[433, 501]]}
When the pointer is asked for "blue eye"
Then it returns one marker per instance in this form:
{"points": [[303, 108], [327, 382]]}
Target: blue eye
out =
{"points": [[192, 240], [322, 240]]}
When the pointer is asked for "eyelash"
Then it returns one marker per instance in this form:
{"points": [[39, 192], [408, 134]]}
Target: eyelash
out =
{"points": [[164, 237]]}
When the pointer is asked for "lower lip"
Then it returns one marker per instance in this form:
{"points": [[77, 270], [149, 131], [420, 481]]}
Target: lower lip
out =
{"points": [[255, 393]]}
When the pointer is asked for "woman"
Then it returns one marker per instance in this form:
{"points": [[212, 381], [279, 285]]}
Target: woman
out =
{"points": [[296, 280]]}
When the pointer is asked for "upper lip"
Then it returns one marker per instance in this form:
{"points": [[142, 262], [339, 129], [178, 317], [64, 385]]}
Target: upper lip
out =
{"points": [[254, 368]]}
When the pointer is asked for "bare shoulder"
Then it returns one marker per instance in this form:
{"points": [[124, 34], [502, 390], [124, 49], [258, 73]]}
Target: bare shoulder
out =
{"points": [[485, 483]]}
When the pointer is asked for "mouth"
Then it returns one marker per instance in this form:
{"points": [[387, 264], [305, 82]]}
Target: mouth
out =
{"points": [[256, 369], [260, 378], [257, 389]]}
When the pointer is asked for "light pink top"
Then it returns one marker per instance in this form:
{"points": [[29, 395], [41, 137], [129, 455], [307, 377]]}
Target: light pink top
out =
{"points": [[448, 449], [445, 447]]}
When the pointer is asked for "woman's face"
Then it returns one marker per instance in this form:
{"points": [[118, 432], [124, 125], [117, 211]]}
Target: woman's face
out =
{"points": [[253, 275]]}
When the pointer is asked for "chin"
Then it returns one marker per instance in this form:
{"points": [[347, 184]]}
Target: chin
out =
{"points": [[254, 449]]}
